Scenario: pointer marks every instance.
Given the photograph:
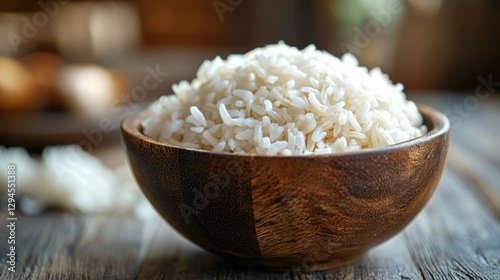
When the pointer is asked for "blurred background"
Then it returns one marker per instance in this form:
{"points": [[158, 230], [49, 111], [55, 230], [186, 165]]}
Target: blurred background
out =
{"points": [[66, 64]]}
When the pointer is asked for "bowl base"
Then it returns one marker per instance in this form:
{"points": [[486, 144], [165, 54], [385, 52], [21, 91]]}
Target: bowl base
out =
{"points": [[307, 264]]}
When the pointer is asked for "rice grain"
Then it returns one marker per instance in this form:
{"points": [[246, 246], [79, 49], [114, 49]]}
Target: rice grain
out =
{"points": [[279, 100]]}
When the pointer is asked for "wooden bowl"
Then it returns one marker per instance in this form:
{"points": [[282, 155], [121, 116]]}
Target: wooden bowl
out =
{"points": [[289, 212]]}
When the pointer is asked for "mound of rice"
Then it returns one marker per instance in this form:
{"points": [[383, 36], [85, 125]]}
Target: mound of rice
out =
{"points": [[278, 100]]}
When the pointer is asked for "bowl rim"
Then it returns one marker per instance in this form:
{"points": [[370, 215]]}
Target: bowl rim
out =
{"points": [[441, 125]]}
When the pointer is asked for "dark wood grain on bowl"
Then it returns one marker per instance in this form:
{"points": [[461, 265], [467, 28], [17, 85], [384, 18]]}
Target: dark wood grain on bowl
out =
{"points": [[206, 197], [311, 212]]}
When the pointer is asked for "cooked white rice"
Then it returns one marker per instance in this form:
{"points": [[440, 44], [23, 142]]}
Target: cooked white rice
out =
{"points": [[69, 178], [278, 100]]}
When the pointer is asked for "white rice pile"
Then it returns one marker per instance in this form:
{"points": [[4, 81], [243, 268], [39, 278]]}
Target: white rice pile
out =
{"points": [[278, 100]]}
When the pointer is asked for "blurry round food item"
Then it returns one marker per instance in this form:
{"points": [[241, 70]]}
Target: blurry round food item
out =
{"points": [[89, 88], [98, 29], [121, 82], [45, 67], [18, 90]]}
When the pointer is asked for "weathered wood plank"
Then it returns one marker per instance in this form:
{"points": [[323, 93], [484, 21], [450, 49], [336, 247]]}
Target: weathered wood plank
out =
{"points": [[454, 234], [391, 260], [63, 246], [479, 174]]}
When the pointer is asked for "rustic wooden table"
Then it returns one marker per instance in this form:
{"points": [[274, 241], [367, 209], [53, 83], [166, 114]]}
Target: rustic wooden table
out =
{"points": [[456, 236]]}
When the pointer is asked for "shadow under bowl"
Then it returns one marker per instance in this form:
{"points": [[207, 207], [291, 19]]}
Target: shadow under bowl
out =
{"points": [[289, 212]]}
